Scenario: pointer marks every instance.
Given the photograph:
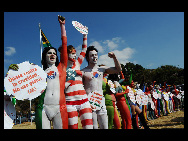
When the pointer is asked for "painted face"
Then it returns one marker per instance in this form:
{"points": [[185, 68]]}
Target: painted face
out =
{"points": [[51, 56], [72, 55], [93, 57]]}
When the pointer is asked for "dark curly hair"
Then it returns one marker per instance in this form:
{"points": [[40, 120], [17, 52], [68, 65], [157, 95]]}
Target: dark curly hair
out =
{"points": [[43, 61], [69, 49], [90, 48]]}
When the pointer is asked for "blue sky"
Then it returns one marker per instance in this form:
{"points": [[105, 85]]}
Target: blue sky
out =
{"points": [[150, 39]]}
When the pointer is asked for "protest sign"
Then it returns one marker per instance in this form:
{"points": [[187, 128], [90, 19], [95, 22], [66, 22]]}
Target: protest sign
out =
{"points": [[82, 29], [145, 100], [166, 96], [131, 95], [96, 99], [140, 97], [112, 88], [152, 105], [26, 83], [155, 95]]}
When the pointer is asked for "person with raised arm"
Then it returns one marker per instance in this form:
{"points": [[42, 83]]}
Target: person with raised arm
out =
{"points": [[52, 102], [92, 80], [76, 98]]}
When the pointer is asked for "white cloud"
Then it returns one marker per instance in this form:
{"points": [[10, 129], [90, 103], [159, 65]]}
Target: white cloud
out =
{"points": [[104, 46], [123, 57], [111, 44], [97, 46], [114, 43], [10, 51]]}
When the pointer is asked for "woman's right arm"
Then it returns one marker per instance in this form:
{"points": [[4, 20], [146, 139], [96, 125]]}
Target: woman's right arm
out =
{"points": [[63, 52]]}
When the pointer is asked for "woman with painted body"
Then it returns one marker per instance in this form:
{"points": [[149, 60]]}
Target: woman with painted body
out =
{"points": [[76, 97], [121, 101], [136, 110], [52, 101], [113, 118], [122, 106]]}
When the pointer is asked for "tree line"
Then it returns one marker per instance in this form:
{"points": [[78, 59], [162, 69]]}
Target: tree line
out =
{"points": [[172, 75]]}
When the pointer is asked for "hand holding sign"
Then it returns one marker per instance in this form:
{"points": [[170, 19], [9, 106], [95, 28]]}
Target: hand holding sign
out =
{"points": [[82, 29], [27, 82]]}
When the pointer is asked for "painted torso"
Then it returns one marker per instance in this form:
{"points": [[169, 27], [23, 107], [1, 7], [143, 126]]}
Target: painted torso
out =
{"points": [[74, 89], [52, 95], [93, 79]]}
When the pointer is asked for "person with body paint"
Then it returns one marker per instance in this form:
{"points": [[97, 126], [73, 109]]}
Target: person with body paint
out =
{"points": [[75, 94], [151, 88], [76, 97], [167, 100], [113, 118], [121, 102], [93, 79], [53, 99], [176, 100], [151, 111], [158, 100], [136, 110], [52, 106]]}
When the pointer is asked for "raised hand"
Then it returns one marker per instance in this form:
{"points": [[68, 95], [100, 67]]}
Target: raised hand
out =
{"points": [[111, 55], [61, 19]]}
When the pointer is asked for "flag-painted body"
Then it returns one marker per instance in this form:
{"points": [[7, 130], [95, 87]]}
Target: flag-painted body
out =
{"points": [[76, 97], [52, 103]]}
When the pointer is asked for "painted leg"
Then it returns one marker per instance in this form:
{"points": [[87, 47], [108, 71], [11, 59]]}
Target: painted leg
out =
{"points": [[45, 121], [110, 113], [85, 114], [94, 118], [72, 117], [103, 121]]}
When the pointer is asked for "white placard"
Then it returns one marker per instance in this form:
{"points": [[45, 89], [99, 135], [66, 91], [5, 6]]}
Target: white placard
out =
{"points": [[152, 105], [112, 87], [178, 96], [26, 83], [138, 99], [96, 99], [166, 96], [145, 100], [155, 95], [131, 95], [82, 29]]}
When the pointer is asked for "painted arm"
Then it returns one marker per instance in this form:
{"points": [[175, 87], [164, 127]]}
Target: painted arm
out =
{"points": [[117, 67], [63, 52], [84, 49]]}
